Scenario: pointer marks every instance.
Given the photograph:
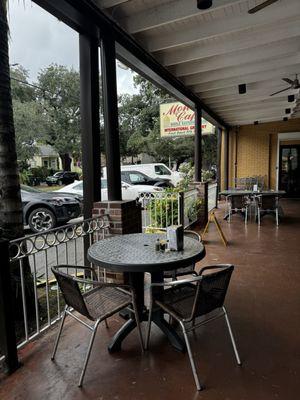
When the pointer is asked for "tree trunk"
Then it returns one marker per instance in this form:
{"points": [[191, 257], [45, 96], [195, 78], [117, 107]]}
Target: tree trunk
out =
{"points": [[11, 214], [66, 161]]}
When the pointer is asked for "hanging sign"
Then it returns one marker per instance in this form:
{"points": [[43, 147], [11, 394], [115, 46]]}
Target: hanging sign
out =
{"points": [[176, 119]]}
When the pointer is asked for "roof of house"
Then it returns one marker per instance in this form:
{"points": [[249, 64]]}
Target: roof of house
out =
{"points": [[45, 150]]}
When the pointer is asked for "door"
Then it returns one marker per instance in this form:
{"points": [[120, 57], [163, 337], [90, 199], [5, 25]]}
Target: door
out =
{"points": [[289, 170]]}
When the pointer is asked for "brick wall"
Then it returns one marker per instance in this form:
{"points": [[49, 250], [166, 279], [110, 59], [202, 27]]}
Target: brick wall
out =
{"points": [[257, 149]]}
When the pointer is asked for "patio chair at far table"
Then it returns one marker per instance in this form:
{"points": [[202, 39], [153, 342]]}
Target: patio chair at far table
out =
{"points": [[197, 297], [99, 302], [267, 204], [238, 203]]}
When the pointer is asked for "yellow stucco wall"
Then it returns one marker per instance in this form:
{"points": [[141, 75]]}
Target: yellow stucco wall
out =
{"points": [[253, 148]]}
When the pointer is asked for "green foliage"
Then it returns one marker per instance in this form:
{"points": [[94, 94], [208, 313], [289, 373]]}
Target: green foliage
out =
{"points": [[40, 172], [59, 95], [164, 211], [20, 90], [30, 126]]}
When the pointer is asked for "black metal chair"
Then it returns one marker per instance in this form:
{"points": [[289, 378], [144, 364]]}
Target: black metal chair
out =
{"points": [[99, 302], [189, 299], [267, 204], [238, 203], [190, 269]]}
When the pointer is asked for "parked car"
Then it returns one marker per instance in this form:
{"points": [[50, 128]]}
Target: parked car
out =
{"points": [[129, 192], [62, 178], [153, 171], [45, 210], [139, 178]]}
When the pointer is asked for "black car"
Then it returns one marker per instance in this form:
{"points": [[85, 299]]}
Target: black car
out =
{"points": [[139, 178], [62, 178], [45, 210]]}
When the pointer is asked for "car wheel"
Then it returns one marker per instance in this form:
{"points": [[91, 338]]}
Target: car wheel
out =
{"points": [[59, 182], [41, 219]]}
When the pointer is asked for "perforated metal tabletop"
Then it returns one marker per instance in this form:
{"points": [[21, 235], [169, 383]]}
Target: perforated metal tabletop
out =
{"points": [[136, 253]]}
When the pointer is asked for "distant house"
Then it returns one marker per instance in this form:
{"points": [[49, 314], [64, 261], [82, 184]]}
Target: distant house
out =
{"points": [[47, 157]]}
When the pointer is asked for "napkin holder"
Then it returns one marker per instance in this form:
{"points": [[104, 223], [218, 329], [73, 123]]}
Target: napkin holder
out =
{"points": [[175, 237]]}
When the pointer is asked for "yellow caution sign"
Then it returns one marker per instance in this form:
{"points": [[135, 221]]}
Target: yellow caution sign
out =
{"points": [[213, 218]]}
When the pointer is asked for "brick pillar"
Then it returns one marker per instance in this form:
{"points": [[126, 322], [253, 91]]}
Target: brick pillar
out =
{"points": [[202, 188], [125, 216]]}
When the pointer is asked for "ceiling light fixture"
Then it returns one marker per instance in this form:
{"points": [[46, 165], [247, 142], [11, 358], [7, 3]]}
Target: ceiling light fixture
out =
{"points": [[204, 4], [242, 88]]}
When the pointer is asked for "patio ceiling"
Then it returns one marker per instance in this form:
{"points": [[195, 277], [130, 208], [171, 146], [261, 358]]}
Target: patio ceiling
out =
{"points": [[213, 51]]}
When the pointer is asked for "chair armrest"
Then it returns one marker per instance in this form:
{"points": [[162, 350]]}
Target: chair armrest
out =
{"points": [[217, 266], [176, 283]]}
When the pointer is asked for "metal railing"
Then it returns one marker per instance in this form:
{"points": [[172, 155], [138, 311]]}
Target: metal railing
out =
{"points": [[32, 257], [161, 209], [212, 196]]}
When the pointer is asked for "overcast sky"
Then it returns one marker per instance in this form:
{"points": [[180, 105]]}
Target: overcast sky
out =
{"points": [[37, 39]]}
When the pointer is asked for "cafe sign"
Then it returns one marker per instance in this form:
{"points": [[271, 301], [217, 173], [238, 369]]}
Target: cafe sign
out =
{"points": [[177, 120]]}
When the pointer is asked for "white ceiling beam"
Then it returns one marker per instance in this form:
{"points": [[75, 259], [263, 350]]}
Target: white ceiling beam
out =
{"points": [[255, 112], [244, 40], [240, 122], [109, 3], [276, 73], [253, 91], [170, 12], [244, 69], [196, 31], [240, 57], [254, 106]]}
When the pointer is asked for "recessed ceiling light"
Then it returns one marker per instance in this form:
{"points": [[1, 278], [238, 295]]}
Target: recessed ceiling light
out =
{"points": [[204, 4], [242, 88]]}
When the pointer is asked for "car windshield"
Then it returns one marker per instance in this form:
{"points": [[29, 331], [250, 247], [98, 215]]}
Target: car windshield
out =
{"points": [[161, 170], [137, 177], [57, 174], [29, 189]]}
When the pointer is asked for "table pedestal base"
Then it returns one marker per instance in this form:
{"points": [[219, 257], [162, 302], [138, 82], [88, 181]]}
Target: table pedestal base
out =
{"points": [[158, 318]]}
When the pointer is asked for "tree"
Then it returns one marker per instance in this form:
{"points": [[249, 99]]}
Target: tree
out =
{"points": [[59, 94], [30, 127], [21, 90], [11, 215]]}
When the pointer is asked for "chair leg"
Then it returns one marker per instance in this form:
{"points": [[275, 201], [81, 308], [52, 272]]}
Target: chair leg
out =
{"points": [[88, 353], [246, 215], [258, 215], [197, 382], [277, 217], [138, 324], [232, 337], [149, 324], [59, 333]]}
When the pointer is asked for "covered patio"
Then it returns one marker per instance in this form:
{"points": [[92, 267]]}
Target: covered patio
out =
{"points": [[264, 306], [224, 63]]}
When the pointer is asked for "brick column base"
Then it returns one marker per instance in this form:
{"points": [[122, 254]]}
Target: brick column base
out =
{"points": [[202, 188], [125, 216]]}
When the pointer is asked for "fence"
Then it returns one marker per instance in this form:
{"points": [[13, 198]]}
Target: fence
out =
{"points": [[31, 259], [163, 209]]}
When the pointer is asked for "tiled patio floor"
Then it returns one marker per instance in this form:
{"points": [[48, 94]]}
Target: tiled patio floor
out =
{"points": [[264, 305]]}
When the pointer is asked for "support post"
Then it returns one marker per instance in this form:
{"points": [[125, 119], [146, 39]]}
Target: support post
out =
{"points": [[198, 144], [90, 124], [110, 111], [8, 342], [219, 137], [226, 157]]}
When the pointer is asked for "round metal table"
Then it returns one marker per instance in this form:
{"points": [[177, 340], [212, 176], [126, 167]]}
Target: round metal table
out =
{"points": [[135, 254]]}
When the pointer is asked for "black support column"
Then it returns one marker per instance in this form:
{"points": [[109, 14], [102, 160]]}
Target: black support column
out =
{"points": [[110, 111], [198, 144], [90, 126], [226, 157], [219, 143]]}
